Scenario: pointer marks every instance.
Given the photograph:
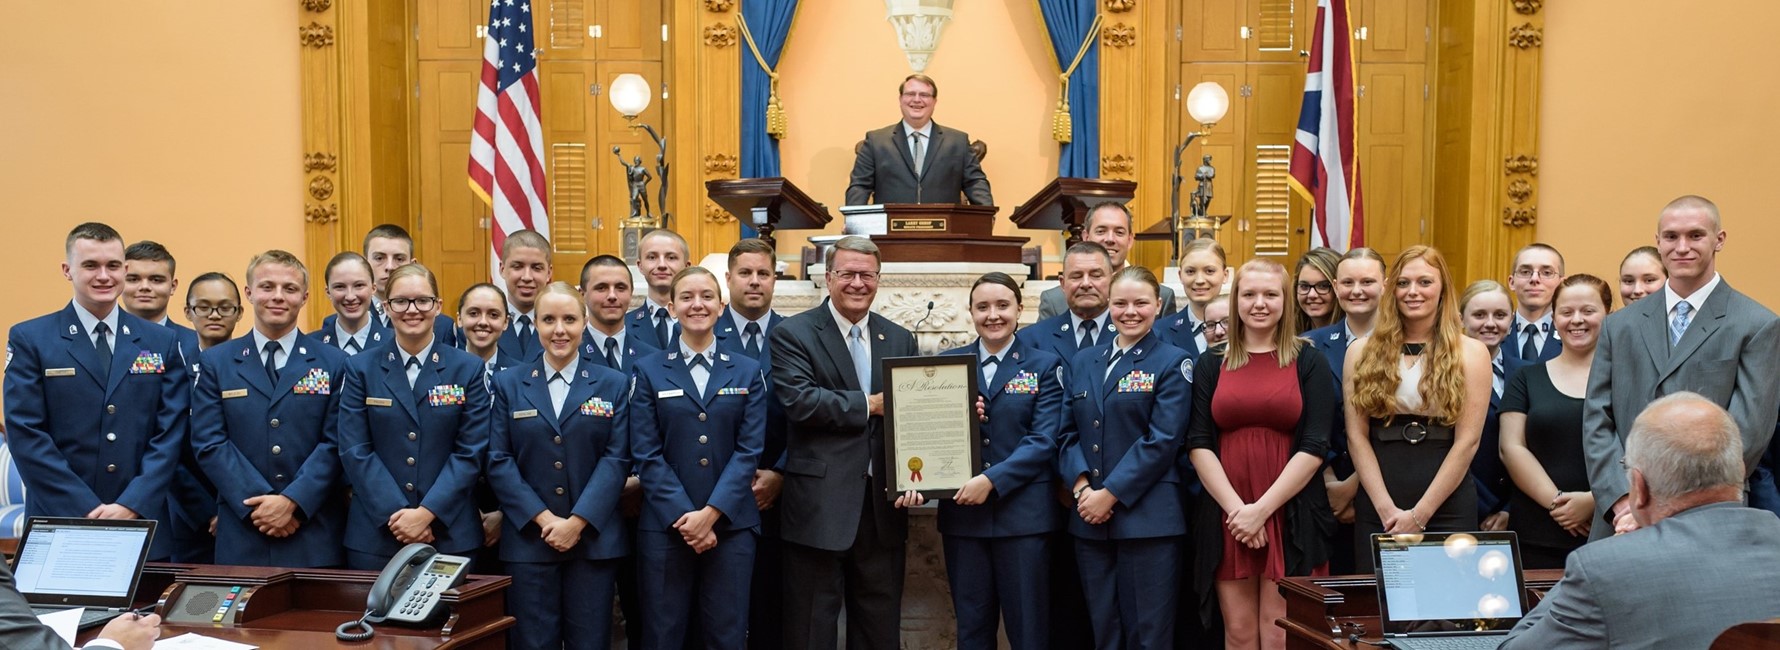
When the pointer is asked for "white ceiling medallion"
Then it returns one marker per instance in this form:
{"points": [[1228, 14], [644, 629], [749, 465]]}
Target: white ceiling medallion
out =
{"points": [[918, 25]]}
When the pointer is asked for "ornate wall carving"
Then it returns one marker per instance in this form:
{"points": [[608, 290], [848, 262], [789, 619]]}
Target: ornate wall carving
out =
{"points": [[315, 35], [1120, 6], [1521, 164], [317, 6], [1528, 7], [1118, 35], [321, 214], [718, 6], [1117, 165], [1526, 36], [719, 165], [720, 35]]}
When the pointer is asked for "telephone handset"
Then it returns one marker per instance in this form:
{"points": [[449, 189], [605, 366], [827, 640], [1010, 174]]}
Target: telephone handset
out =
{"points": [[408, 591]]}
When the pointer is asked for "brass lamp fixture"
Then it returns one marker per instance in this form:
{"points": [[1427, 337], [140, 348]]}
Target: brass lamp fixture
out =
{"points": [[1207, 103], [631, 95]]}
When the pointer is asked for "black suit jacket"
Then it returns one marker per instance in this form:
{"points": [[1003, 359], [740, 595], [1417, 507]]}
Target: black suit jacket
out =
{"points": [[830, 439], [884, 169], [19, 627]]}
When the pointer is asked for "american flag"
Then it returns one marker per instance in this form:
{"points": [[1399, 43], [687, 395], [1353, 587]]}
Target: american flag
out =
{"points": [[507, 149], [1323, 166]]}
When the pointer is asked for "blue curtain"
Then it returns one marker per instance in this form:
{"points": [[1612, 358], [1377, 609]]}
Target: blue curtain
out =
{"points": [[1068, 21], [770, 22]]}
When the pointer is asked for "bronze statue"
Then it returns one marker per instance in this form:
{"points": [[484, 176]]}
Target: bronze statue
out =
{"points": [[638, 178]]}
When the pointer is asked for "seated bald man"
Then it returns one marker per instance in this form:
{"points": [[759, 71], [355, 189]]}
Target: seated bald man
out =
{"points": [[1700, 562]]}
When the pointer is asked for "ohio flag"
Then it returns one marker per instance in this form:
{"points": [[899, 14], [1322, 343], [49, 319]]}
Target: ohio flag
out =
{"points": [[1324, 168]]}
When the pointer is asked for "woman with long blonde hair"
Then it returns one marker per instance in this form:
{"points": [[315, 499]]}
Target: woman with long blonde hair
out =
{"points": [[1417, 390]]}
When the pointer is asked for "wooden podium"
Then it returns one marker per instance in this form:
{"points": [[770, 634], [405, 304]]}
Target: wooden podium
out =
{"points": [[943, 232], [1063, 204], [786, 206]]}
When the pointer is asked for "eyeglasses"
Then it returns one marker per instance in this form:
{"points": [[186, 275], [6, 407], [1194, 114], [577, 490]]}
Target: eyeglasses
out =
{"points": [[214, 311], [847, 277], [1219, 324], [1544, 274], [1321, 288], [917, 95], [424, 303]]}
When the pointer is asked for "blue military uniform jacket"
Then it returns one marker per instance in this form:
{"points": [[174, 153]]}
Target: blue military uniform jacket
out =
{"points": [[636, 345], [378, 334], [256, 437], [523, 348], [729, 339], [638, 322], [693, 449], [1177, 330], [1512, 342], [1125, 432], [1058, 335], [406, 447], [80, 442], [1332, 340], [573, 463], [1024, 403], [191, 501]]}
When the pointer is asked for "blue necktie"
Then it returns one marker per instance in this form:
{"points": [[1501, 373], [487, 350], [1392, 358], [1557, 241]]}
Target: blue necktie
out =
{"points": [[861, 358], [612, 354], [1087, 339], [272, 348], [1528, 350], [1678, 326], [661, 327], [989, 365], [102, 345], [752, 334]]}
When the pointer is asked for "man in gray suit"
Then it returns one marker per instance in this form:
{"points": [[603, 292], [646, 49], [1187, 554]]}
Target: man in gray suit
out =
{"points": [[19, 627], [916, 160], [1110, 225], [844, 541], [1704, 562], [1700, 335]]}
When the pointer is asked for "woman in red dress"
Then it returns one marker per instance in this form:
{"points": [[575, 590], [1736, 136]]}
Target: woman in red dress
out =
{"points": [[1263, 409]]}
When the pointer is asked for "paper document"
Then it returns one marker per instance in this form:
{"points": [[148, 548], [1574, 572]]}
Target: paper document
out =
{"points": [[65, 623], [200, 642]]}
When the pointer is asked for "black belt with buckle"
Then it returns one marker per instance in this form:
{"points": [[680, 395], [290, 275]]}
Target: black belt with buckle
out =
{"points": [[1410, 429]]}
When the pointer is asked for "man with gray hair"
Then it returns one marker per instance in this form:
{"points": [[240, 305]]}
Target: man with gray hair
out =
{"points": [[1699, 563]]}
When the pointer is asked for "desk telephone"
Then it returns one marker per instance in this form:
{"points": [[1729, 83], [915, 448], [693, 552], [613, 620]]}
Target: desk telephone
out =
{"points": [[408, 591]]}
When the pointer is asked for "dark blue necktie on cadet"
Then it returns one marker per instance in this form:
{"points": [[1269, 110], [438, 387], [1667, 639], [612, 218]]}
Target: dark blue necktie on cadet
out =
{"points": [[751, 343], [102, 345], [272, 348]]}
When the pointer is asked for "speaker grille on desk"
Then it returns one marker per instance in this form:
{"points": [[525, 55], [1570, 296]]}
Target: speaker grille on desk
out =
{"points": [[198, 604], [203, 602]]}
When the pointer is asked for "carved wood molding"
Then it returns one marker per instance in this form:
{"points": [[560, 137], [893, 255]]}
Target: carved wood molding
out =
{"points": [[717, 215], [721, 165], [1520, 217], [321, 187], [318, 161], [1117, 165], [1528, 7], [317, 6], [315, 35], [718, 6], [1521, 164], [720, 35], [1120, 6], [1519, 190], [321, 214], [1118, 35], [1526, 36]]}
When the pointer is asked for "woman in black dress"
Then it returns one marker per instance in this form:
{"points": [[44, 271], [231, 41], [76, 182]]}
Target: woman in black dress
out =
{"points": [[1417, 392], [1541, 426]]}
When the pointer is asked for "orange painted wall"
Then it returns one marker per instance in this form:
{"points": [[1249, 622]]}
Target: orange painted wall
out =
{"points": [[177, 126], [997, 81], [1644, 101]]}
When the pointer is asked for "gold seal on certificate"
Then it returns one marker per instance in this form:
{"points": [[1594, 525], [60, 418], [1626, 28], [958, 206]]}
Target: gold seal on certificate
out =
{"points": [[930, 424]]}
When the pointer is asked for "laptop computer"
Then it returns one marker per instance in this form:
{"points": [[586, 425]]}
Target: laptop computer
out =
{"points": [[65, 563], [1448, 590]]}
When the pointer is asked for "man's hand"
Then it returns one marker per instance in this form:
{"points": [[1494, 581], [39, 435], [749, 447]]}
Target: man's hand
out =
{"points": [[412, 525], [273, 514], [630, 499], [1498, 521], [491, 527], [112, 511], [910, 499], [874, 403], [975, 491], [213, 525], [133, 632], [767, 484], [1625, 523]]}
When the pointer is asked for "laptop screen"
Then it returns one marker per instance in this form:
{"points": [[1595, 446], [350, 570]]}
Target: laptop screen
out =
{"points": [[1449, 582], [88, 562]]}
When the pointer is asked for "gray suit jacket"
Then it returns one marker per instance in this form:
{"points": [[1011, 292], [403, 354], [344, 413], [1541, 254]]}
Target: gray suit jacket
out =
{"points": [[1051, 303], [19, 627], [829, 437], [1730, 353], [884, 169], [1673, 586]]}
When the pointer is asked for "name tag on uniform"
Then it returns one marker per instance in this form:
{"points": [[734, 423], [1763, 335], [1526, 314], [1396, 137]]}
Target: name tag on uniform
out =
{"points": [[670, 393], [232, 394], [528, 413], [58, 372], [377, 401]]}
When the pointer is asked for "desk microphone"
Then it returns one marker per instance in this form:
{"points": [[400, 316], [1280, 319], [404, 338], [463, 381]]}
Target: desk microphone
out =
{"points": [[923, 317]]}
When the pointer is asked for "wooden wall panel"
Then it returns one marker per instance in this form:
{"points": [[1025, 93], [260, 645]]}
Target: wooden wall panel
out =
{"points": [[452, 231], [705, 73]]}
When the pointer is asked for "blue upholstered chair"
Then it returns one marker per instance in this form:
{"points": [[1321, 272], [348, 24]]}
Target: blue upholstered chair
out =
{"points": [[12, 496]]}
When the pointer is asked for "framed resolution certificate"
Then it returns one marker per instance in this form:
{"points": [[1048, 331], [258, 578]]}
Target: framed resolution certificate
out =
{"points": [[931, 428]]}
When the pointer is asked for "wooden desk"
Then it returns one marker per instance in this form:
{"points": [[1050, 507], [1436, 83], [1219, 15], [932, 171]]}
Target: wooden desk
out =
{"points": [[299, 608], [1322, 612]]}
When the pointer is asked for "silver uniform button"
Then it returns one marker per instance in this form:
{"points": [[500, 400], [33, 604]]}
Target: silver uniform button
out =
{"points": [[412, 436], [110, 437], [704, 440], [408, 486], [410, 461], [701, 417], [110, 468], [559, 490], [276, 450], [1094, 448], [985, 465], [557, 464], [1096, 471], [110, 408], [274, 423], [703, 462]]}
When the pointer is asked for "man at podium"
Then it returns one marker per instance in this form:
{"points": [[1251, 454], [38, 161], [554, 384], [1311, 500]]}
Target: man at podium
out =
{"points": [[916, 160]]}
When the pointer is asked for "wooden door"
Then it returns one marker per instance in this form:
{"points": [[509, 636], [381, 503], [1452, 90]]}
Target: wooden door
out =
{"points": [[451, 231], [1392, 134], [451, 29], [1275, 219], [1278, 30], [1212, 30], [1392, 31]]}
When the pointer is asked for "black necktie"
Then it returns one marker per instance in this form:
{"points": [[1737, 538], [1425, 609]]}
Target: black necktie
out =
{"points": [[1527, 349], [752, 345], [102, 345], [1087, 340], [661, 326], [352, 346], [612, 354], [272, 348], [698, 360], [989, 365], [525, 326]]}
